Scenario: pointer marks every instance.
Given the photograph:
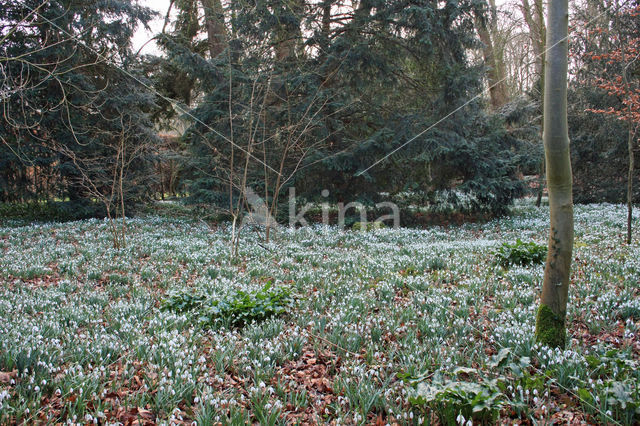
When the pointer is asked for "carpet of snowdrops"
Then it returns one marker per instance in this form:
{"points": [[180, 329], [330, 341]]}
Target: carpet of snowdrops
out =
{"points": [[384, 327]]}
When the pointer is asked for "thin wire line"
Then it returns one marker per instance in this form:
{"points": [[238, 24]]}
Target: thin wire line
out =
{"points": [[157, 93], [358, 174], [470, 101]]}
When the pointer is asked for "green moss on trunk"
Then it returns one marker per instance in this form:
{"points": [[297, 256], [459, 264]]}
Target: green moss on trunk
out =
{"points": [[550, 328]]}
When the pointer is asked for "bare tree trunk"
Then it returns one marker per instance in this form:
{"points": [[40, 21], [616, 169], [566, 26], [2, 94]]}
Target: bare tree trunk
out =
{"points": [[540, 184], [167, 17], [326, 19], [114, 230], [537, 34], [538, 19], [630, 139], [630, 189], [495, 70], [161, 183], [289, 35], [216, 30], [498, 49], [121, 189], [551, 318], [326, 26], [276, 192], [234, 246]]}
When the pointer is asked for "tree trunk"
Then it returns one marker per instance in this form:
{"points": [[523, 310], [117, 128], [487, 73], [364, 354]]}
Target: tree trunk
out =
{"points": [[216, 30], [537, 34], [167, 17], [630, 187], [540, 185], [495, 71], [551, 318], [630, 139], [289, 35], [326, 25], [498, 49]]}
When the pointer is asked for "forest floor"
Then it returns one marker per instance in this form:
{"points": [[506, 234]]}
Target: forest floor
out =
{"points": [[320, 326]]}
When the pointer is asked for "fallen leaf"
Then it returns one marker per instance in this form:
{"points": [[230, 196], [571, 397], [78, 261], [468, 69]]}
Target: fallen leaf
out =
{"points": [[7, 377]]}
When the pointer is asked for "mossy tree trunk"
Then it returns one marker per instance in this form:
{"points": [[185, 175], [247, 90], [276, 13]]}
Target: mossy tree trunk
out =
{"points": [[550, 324]]}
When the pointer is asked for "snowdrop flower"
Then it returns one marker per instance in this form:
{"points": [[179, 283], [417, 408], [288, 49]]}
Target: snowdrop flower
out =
{"points": [[460, 419]]}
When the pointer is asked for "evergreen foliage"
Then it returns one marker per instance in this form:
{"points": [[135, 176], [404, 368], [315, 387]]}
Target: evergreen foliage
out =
{"points": [[68, 109], [349, 88]]}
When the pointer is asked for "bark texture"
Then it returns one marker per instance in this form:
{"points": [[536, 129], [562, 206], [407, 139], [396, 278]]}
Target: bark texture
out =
{"points": [[216, 30], [289, 35], [534, 17], [486, 27], [555, 288]]}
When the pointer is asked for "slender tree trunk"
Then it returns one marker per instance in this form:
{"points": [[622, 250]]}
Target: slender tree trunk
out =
{"points": [[551, 318], [538, 19], [630, 186], [216, 30], [498, 49], [534, 17], [537, 34], [326, 19], [540, 185], [161, 183], [121, 190], [631, 137], [632, 166], [167, 17]]}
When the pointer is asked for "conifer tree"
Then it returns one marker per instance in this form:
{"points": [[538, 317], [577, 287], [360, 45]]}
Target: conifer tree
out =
{"points": [[69, 80], [362, 81]]}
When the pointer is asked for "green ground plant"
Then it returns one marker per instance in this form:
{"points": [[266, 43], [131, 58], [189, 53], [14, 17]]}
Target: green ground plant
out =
{"points": [[520, 253]]}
